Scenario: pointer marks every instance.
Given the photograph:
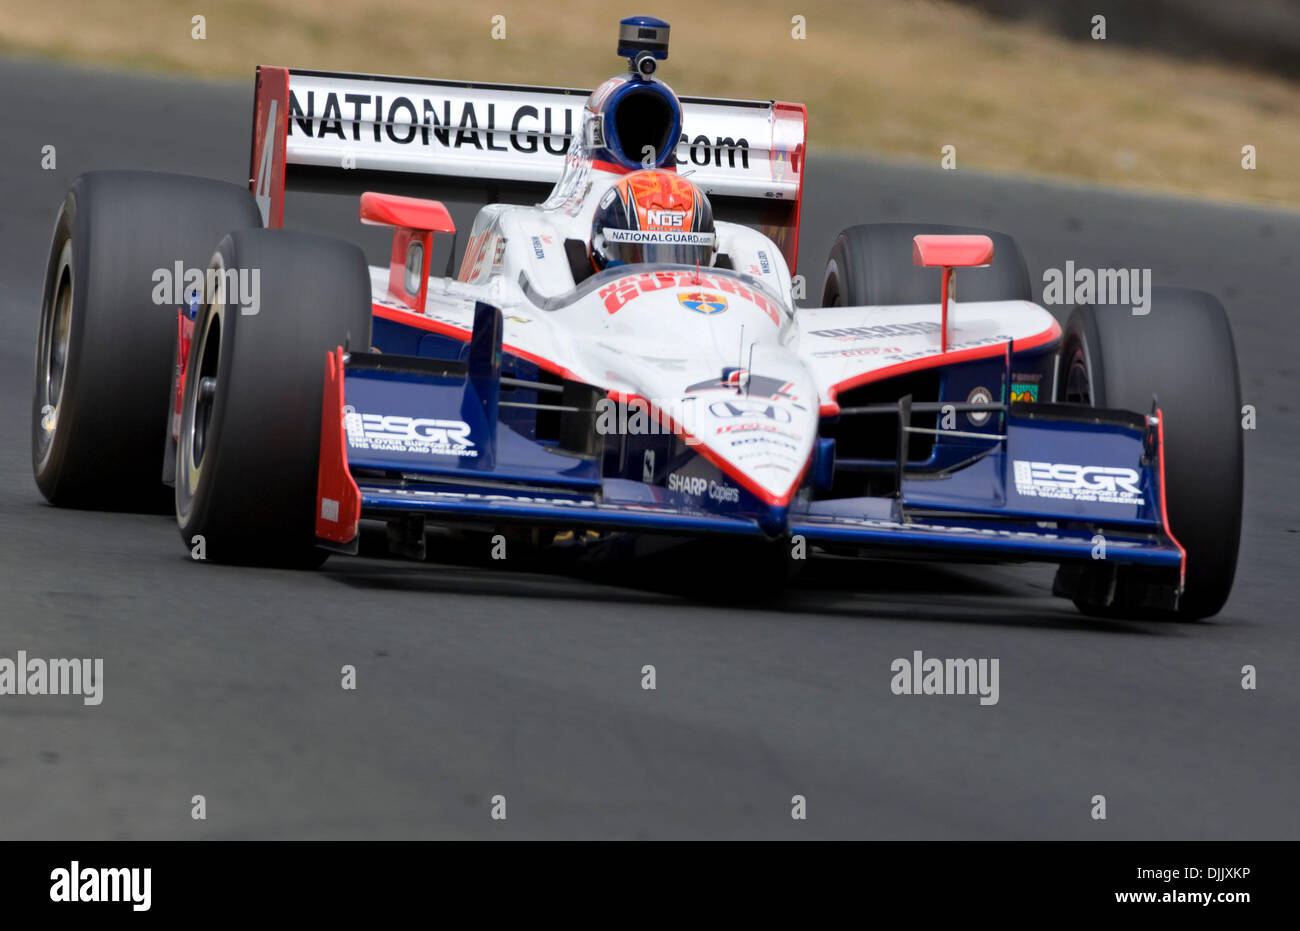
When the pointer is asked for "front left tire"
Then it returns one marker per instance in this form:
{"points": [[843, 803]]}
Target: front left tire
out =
{"points": [[249, 445]]}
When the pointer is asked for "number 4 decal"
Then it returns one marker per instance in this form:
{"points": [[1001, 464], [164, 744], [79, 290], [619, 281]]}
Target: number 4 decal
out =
{"points": [[264, 169]]}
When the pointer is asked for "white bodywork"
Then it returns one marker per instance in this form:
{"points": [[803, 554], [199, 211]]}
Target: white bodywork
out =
{"points": [[634, 336]]}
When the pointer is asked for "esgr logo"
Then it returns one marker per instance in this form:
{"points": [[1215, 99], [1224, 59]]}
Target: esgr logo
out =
{"points": [[397, 433], [1107, 484]]}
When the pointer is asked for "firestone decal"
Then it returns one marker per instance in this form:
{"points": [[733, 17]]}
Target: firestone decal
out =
{"points": [[853, 334]]}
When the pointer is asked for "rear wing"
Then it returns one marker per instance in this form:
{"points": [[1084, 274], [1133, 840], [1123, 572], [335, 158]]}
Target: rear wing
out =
{"points": [[452, 140]]}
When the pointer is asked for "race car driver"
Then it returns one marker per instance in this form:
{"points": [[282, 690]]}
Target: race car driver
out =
{"points": [[653, 216]]}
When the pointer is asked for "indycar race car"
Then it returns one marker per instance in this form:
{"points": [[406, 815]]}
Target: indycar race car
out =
{"points": [[623, 359]]}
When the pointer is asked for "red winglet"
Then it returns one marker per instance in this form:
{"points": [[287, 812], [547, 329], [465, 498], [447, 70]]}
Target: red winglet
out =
{"points": [[943, 251], [416, 221], [1164, 504], [411, 212], [338, 500]]}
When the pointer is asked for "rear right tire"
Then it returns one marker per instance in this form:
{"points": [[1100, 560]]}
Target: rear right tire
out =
{"points": [[871, 264]]}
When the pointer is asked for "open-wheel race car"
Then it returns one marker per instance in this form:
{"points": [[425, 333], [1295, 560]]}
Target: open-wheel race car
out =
{"points": [[624, 357]]}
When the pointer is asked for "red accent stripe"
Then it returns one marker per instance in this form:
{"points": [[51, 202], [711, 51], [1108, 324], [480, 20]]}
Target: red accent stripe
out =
{"points": [[945, 280], [611, 167], [1164, 507], [796, 165], [1050, 335], [333, 478], [407, 318]]}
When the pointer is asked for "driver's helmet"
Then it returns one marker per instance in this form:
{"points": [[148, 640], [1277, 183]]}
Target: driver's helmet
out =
{"points": [[653, 216]]}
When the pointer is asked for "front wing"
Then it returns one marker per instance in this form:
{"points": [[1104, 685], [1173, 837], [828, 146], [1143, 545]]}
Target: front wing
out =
{"points": [[422, 437]]}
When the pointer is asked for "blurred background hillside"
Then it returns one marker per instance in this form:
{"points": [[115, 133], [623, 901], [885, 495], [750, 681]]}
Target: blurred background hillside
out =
{"points": [[1166, 101]]}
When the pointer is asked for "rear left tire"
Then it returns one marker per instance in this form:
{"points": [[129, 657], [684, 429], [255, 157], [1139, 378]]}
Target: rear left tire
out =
{"points": [[104, 348]]}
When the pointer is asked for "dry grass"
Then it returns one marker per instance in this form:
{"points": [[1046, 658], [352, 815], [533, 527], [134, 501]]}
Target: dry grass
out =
{"points": [[900, 78]]}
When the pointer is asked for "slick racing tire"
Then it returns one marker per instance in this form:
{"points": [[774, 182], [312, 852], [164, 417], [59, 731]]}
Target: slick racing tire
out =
{"points": [[872, 264], [1180, 353], [249, 445], [104, 349]]}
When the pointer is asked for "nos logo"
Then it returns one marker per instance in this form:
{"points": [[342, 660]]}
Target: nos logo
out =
{"points": [[666, 217]]}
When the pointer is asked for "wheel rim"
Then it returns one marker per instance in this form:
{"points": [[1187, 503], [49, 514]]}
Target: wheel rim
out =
{"points": [[198, 406], [200, 399], [52, 369]]}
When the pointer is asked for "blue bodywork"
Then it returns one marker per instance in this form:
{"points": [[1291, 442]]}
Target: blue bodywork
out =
{"points": [[986, 490]]}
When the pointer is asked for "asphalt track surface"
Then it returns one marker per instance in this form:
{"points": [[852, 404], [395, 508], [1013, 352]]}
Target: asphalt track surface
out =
{"points": [[478, 678]]}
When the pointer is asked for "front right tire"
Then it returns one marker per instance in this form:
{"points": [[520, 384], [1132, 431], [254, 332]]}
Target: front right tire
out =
{"points": [[1181, 354]]}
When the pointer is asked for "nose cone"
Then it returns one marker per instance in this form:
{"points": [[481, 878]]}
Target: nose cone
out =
{"points": [[762, 444], [712, 347]]}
